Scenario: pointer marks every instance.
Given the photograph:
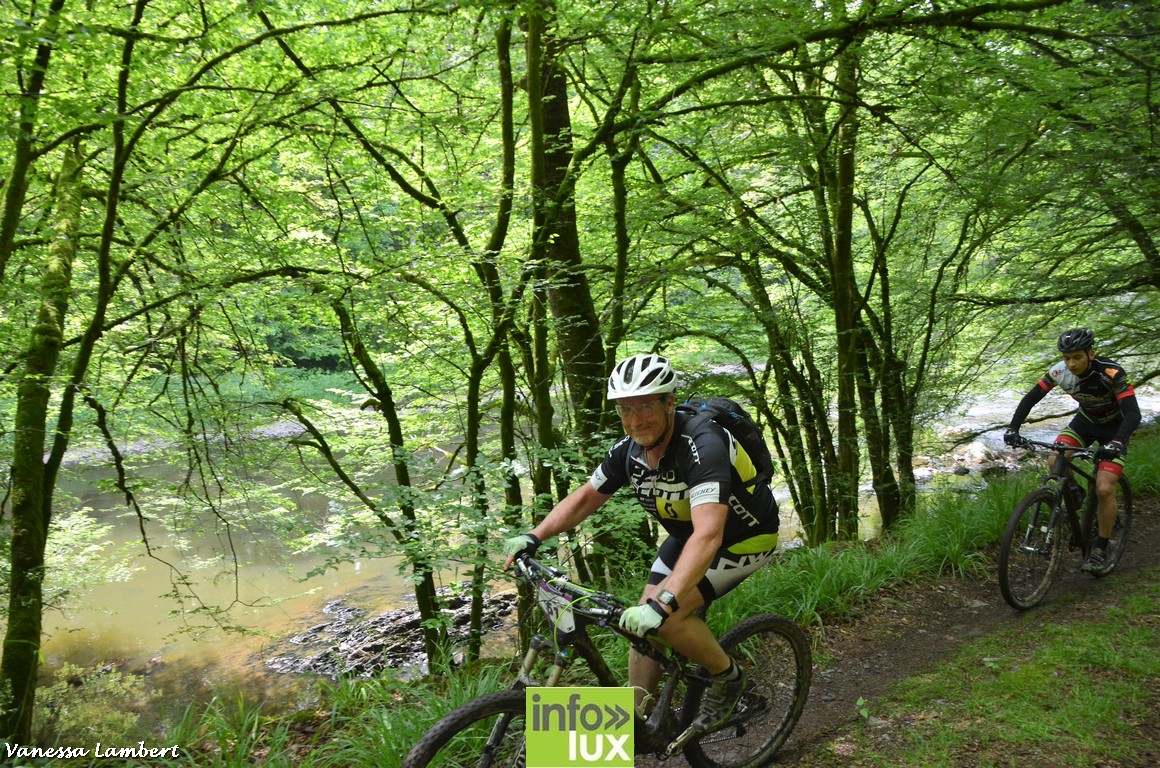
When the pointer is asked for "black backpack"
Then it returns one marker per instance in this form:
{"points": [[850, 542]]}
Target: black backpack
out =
{"points": [[733, 417]]}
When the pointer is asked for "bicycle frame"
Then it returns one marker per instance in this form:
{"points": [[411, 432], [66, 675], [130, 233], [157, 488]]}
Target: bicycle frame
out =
{"points": [[773, 649], [560, 601], [1062, 480]]}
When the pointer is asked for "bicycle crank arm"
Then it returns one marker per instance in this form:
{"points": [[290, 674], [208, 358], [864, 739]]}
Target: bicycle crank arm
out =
{"points": [[721, 733], [752, 706], [679, 743]]}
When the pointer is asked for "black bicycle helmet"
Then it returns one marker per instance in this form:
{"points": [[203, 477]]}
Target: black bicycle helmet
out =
{"points": [[1076, 340]]}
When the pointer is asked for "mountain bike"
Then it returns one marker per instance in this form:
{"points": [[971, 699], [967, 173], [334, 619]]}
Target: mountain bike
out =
{"points": [[1056, 518], [774, 652]]}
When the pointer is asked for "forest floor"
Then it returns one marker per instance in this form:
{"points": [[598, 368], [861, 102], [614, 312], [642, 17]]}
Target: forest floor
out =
{"points": [[909, 630]]}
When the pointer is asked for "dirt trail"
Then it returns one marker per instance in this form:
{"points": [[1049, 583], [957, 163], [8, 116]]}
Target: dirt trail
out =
{"points": [[912, 629], [908, 630]]}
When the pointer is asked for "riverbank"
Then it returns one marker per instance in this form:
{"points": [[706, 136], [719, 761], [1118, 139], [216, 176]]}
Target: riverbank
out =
{"points": [[349, 644]]}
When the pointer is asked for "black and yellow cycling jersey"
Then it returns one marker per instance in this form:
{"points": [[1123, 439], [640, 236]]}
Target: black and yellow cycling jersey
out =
{"points": [[709, 466]]}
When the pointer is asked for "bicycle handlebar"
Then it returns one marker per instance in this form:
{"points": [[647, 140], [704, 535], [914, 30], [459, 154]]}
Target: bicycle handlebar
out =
{"points": [[529, 567], [606, 614], [609, 606], [1075, 452]]}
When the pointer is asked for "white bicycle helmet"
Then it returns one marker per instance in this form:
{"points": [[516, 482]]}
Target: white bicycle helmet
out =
{"points": [[641, 375]]}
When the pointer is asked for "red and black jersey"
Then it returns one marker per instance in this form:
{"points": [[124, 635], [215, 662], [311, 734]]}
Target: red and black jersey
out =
{"points": [[1104, 394]]}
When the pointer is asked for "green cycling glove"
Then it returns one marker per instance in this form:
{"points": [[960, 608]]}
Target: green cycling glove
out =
{"points": [[525, 543], [643, 620]]}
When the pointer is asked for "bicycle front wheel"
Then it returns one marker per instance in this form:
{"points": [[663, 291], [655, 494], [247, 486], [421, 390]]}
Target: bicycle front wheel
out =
{"points": [[487, 732], [775, 654], [1032, 550]]}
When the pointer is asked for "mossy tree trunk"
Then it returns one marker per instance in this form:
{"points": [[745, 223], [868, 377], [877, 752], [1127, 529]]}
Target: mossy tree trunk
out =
{"points": [[32, 486]]}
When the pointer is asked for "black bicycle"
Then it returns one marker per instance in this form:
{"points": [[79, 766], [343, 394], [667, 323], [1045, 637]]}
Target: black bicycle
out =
{"points": [[775, 653], [1056, 518]]}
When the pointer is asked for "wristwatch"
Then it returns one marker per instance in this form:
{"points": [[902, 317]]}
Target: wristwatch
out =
{"points": [[668, 600]]}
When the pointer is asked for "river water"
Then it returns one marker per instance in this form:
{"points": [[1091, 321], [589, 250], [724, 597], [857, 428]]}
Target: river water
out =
{"points": [[131, 621]]}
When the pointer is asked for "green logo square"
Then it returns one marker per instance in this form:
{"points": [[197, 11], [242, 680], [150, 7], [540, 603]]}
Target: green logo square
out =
{"points": [[579, 727]]}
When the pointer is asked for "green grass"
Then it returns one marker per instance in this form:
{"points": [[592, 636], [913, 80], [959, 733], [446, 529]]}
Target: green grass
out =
{"points": [[1144, 462], [232, 733], [1035, 694], [353, 722], [376, 722]]}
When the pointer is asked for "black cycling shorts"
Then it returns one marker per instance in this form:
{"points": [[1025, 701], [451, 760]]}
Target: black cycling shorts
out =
{"points": [[729, 568]]}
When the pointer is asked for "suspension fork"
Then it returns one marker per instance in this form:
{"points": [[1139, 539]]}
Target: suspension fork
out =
{"points": [[536, 648]]}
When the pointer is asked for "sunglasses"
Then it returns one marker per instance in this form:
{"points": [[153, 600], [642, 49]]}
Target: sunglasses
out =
{"points": [[624, 409]]}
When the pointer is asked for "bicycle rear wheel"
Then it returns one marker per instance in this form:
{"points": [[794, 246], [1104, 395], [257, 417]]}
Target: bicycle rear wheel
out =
{"points": [[484, 732], [775, 654], [1123, 527], [1032, 550]]}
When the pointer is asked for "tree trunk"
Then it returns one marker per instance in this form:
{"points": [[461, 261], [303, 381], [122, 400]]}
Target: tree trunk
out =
{"points": [[618, 165], [25, 134], [556, 240], [900, 412], [878, 443], [513, 495], [426, 599], [846, 303], [32, 490], [802, 437]]}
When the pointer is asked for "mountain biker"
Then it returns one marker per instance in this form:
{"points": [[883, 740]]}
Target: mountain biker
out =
{"points": [[719, 530], [1108, 414]]}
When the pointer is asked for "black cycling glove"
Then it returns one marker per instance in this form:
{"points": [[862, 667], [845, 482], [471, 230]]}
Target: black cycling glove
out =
{"points": [[1110, 451]]}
